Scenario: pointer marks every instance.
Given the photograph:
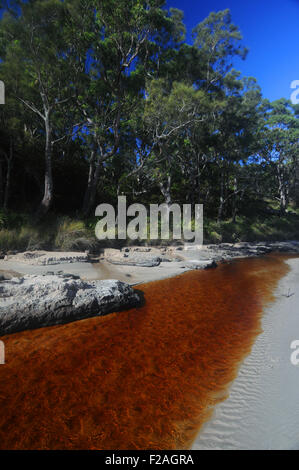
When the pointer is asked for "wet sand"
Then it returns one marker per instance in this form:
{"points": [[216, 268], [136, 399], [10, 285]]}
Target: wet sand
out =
{"points": [[262, 411]]}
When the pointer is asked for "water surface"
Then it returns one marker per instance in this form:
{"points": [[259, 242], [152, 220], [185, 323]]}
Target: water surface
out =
{"points": [[146, 378]]}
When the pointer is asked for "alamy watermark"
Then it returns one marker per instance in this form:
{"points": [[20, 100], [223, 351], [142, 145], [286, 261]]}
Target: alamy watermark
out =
{"points": [[2, 353], [162, 221], [295, 94], [295, 354], [2, 92]]}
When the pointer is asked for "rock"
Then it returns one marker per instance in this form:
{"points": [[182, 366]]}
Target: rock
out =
{"points": [[12, 252], [286, 247], [192, 247], [141, 249], [108, 252], [202, 264], [264, 248], [166, 259], [240, 245], [36, 301], [44, 258], [135, 259], [6, 275]]}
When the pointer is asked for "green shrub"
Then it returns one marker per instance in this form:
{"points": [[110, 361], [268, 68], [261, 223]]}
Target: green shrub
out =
{"points": [[74, 235]]}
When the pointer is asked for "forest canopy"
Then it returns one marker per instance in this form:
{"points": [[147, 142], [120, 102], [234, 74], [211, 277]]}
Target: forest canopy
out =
{"points": [[106, 98]]}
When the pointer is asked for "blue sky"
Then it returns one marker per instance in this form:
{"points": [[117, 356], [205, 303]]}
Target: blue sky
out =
{"points": [[270, 30]]}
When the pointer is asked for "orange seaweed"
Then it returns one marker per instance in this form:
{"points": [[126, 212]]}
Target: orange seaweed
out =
{"points": [[146, 378]]}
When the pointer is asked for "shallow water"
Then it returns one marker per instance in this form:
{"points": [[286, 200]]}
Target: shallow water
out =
{"points": [[145, 378]]}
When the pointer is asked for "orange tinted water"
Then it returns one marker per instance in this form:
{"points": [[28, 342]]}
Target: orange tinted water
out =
{"points": [[145, 378]]}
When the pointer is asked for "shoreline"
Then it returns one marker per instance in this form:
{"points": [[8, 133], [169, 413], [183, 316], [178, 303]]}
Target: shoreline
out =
{"points": [[174, 261], [262, 409], [58, 275]]}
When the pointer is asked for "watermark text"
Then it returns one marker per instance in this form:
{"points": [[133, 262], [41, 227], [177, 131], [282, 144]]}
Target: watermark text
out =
{"points": [[2, 353], [161, 221], [2, 92], [295, 354]]}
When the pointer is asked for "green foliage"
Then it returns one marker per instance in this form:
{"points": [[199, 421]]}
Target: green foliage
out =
{"points": [[252, 229], [106, 98]]}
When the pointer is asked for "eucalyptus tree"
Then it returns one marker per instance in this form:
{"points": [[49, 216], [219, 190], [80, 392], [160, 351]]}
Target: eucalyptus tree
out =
{"points": [[295, 158], [34, 41], [11, 132], [178, 133], [280, 145], [123, 51], [233, 136], [169, 111], [218, 41]]}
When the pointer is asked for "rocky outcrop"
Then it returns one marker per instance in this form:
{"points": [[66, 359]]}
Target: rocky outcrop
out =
{"points": [[133, 258], [36, 301], [195, 257], [229, 251], [44, 258], [285, 247]]}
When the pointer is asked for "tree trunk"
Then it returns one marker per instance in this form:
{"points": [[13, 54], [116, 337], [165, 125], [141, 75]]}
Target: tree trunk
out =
{"points": [[1, 184], [8, 173], [89, 183], [282, 191], [166, 191], [90, 195], [234, 204], [221, 199], [48, 182]]}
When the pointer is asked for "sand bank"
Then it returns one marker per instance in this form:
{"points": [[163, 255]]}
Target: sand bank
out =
{"points": [[262, 411]]}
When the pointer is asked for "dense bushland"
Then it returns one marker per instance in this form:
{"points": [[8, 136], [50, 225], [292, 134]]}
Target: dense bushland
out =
{"points": [[106, 98]]}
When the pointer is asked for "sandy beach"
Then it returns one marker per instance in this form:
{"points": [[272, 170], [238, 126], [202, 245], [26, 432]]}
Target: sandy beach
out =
{"points": [[262, 410]]}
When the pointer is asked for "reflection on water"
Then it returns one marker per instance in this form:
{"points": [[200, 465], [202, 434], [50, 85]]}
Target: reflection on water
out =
{"points": [[146, 378]]}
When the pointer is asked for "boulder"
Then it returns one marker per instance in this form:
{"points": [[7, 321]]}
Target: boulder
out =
{"points": [[135, 259], [202, 264], [36, 301]]}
